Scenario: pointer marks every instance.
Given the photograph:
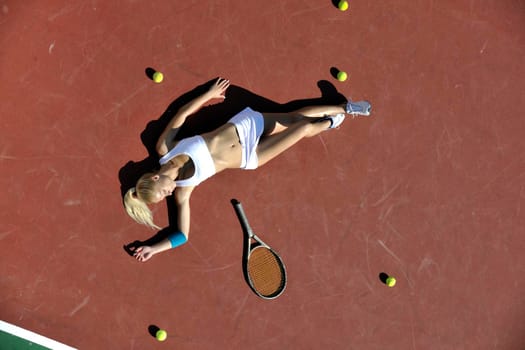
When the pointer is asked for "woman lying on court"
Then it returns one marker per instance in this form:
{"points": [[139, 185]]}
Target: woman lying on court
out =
{"points": [[248, 140]]}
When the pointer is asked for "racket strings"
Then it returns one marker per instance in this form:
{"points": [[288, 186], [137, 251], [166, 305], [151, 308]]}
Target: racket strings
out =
{"points": [[265, 271]]}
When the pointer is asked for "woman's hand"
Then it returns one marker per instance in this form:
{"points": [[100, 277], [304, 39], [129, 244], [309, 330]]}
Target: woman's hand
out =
{"points": [[218, 89], [143, 253]]}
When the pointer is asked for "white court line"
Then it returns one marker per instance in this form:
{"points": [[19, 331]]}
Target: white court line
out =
{"points": [[33, 337]]}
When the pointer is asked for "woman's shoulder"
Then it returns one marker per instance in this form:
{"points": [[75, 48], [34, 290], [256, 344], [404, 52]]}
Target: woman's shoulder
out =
{"points": [[182, 194], [167, 153], [166, 148]]}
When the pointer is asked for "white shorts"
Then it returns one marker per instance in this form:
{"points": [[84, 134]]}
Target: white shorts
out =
{"points": [[250, 126]]}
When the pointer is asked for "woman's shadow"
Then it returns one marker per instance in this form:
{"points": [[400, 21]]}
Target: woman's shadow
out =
{"points": [[205, 120]]}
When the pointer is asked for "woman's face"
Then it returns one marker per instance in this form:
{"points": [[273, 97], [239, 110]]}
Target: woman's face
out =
{"points": [[163, 187]]}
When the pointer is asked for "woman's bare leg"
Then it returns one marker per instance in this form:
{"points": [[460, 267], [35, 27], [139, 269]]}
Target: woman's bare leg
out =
{"points": [[276, 122], [272, 145], [321, 111]]}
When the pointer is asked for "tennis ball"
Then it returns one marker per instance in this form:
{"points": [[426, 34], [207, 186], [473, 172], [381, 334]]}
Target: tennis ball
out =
{"points": [[343, 5], [341, 76], [161, 335], [158, 77], [390, 281]]}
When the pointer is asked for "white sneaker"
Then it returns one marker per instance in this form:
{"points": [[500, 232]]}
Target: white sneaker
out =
{"points": [[358, 108], [335, 120]]}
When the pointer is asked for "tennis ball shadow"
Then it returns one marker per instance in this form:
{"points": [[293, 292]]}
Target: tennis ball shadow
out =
{"points": [[383, 277], [152, 330], [149, 72], [336, 3], [334, 71]]}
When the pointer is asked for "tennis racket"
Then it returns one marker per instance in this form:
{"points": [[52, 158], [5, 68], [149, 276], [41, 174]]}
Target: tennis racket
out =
{"points": [[262, 266]]}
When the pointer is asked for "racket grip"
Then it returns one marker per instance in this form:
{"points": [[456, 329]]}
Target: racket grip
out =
{"points": [[242, 217]]}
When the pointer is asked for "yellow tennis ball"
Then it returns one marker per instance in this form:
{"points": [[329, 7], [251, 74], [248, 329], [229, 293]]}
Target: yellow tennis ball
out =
{"points": [[343, 5], [161, 335], [158, 77], [341, 76], [390, 281]]}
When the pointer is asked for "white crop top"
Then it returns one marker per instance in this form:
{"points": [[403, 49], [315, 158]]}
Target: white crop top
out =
{"points": [[194, 147]]}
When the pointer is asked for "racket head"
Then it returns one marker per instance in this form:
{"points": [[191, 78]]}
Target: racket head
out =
{"points": [[265, 271]]}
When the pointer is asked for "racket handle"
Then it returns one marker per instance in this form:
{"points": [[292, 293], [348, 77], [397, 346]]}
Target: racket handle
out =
{"points": [[242, 217]]}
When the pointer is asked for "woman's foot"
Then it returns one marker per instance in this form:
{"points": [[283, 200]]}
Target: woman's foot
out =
{"points": [[358, 108], [335, 120]]}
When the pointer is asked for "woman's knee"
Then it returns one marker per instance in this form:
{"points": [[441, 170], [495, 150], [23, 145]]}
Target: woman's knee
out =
{"points": [[314, 128]]}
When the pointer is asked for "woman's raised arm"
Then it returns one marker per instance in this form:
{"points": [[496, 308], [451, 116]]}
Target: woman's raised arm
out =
{"points": [[165, 142]]}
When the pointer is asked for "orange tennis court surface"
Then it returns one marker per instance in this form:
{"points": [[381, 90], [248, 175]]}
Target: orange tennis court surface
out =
{"points": [[429, 189]]}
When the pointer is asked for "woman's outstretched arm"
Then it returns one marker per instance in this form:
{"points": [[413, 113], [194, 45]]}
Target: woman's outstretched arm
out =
{"points": [[166, 139], [182, 199]]}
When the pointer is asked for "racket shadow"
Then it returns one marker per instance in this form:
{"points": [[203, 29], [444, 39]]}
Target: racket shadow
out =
{"points": [[246, 241]]}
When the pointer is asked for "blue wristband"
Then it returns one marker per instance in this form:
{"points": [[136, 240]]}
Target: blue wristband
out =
{"points": [[177, 239]]}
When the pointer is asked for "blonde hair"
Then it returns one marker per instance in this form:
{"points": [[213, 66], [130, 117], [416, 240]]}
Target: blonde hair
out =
{"points": [[136, 199]]}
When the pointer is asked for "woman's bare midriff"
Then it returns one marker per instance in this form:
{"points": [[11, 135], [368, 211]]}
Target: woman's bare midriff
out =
{"points": [[224, 146]]}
